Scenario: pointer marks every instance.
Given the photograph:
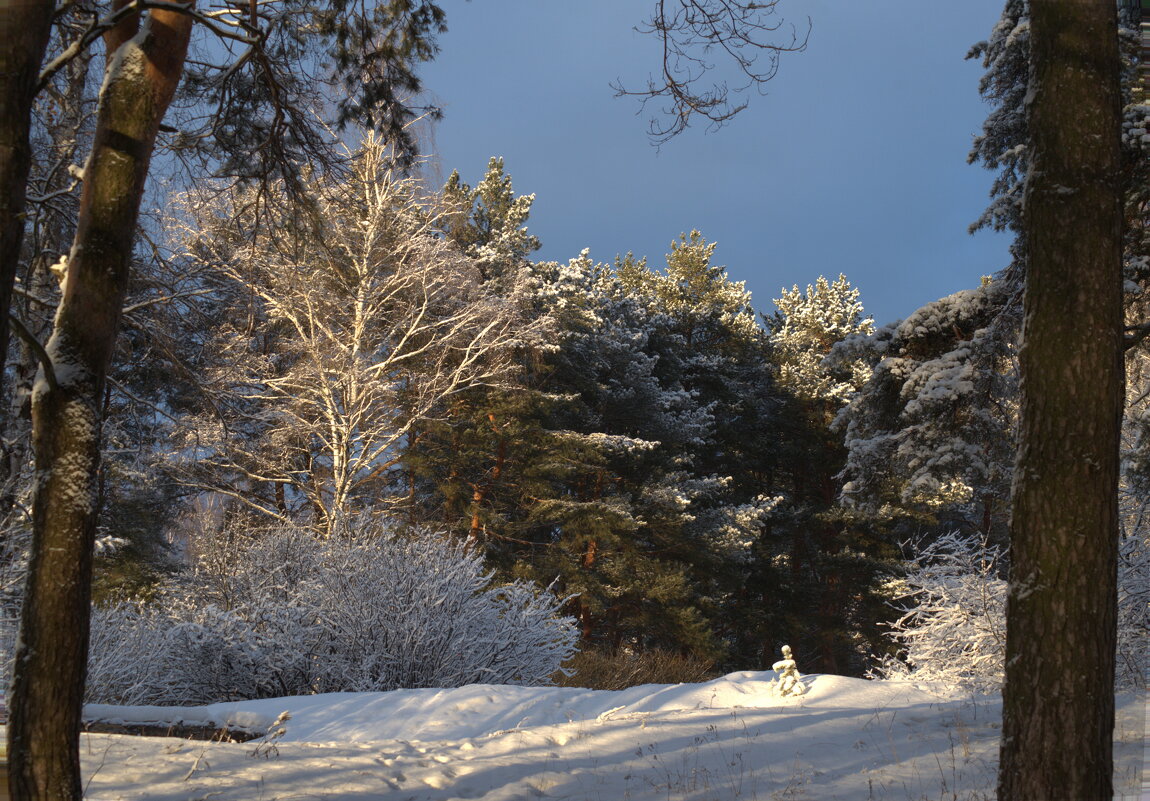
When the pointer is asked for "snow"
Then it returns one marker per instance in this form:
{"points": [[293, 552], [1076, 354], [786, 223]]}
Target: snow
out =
{"points": [[732, 738], [130, 62]]}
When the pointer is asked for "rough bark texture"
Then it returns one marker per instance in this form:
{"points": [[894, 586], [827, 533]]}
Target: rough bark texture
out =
{"points": [[1058, 712], [143, 70], [26, 25]]}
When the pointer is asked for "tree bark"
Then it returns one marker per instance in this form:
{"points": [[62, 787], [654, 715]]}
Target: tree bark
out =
{"points": [[1058, 702], [27, 25], [144, 66]]}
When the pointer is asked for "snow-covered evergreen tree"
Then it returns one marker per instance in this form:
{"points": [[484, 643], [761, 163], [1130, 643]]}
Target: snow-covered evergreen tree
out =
{"points": [[931, 432], [707, 340], [488, 223], [819, 563], [608, 464], [465, 468], [630, 513], [805, 328]]}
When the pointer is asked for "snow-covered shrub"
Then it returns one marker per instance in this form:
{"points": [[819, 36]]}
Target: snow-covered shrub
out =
{"points": [[14, 542], [142, 655], [953, 627], [419, 612], [285, 614], [1133, 668], [124, 657], [15, 550]]}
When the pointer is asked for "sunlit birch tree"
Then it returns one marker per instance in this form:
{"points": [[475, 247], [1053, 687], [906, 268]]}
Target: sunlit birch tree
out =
{"points": [[345, 327]]}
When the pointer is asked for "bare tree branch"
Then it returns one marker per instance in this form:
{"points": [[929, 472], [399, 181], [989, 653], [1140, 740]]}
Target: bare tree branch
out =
{"points": [[747, 37], [37, 349]]}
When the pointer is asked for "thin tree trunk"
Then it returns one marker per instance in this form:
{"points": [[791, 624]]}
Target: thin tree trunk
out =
{"points": [[590, 554], [1058, 702], [586, 617], [143, 70], [26, 26], [479, 495]]}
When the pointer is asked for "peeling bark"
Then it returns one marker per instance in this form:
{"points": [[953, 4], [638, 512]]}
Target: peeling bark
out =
{"points": [[1058, 710], [144, 66]]}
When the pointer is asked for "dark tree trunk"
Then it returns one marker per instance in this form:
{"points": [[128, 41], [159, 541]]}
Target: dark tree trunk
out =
{"points": [[1058, 710], [26, 25], [144, 67]]}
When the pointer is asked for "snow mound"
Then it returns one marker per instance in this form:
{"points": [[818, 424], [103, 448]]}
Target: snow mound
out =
{"points": [[481, 710]]}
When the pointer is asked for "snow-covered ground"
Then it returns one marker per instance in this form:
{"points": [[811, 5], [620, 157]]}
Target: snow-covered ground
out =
{"points": [[732, 738]]}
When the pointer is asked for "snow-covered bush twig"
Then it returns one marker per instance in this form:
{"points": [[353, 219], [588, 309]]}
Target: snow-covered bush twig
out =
{"points": [[1133, 668]]}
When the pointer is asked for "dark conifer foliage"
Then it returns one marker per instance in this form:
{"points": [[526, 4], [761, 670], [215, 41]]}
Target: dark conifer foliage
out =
{"points": [[822, 562]]}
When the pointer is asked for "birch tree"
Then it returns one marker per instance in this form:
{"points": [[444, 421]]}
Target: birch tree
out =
{"points": [[342, 335]]}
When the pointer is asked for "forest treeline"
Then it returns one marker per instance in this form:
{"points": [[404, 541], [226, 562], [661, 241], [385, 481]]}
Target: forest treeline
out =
{"points": [[693, 476], [350, 347]]}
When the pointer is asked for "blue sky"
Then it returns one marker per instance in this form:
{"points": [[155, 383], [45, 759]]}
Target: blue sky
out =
{"points": [[854, 161]]}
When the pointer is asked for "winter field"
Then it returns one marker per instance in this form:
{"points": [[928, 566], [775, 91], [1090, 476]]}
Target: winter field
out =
{"points": [[732, 738]]}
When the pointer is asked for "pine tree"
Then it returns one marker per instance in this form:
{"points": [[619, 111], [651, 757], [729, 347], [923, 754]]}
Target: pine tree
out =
{"points": [[930, 434], [602, 465], [1063, 502], [819, 562], [488, 223], [612, 518], [710, 346], [467, 468]]}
